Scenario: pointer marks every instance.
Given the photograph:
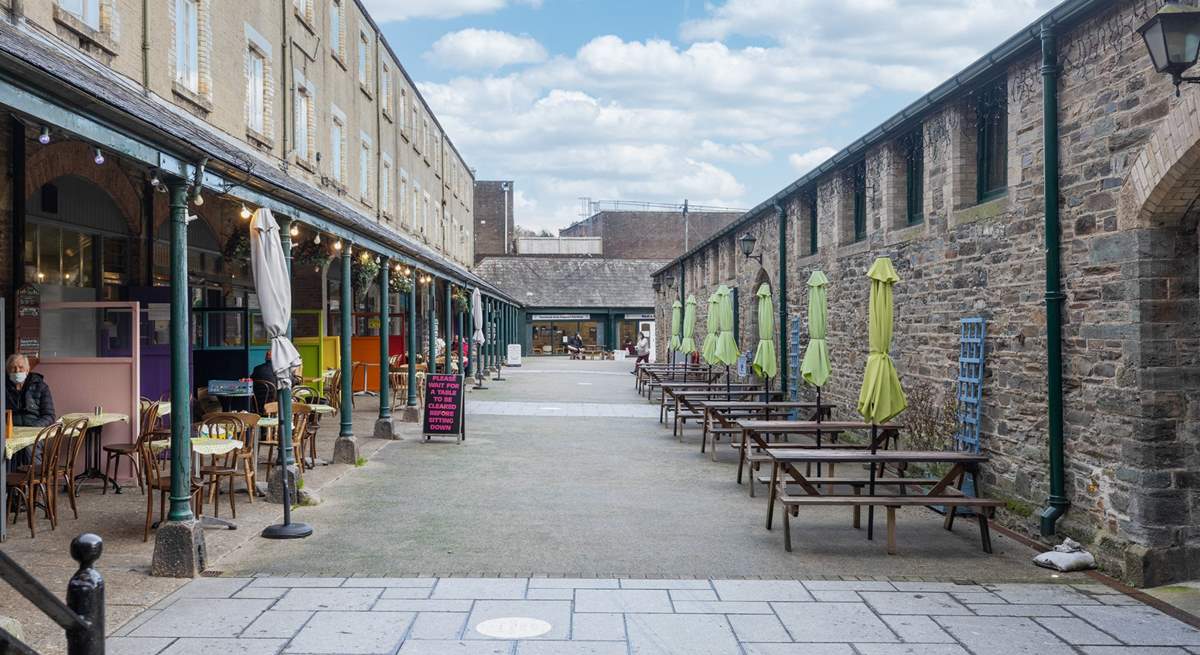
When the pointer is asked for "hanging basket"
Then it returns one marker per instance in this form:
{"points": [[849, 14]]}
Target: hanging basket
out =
{"points": [[400, 284]]}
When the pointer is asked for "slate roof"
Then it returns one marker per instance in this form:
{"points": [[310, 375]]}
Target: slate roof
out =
{"points": [[52, 68], [571, 282]]}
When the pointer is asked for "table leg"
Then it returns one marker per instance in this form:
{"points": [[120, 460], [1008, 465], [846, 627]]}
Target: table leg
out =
{"points": [[771, 493], [91, 458], [742, 455]]}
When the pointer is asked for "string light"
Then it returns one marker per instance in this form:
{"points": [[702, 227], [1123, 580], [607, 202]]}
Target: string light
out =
{"points": [[317, 239], [365, 256], [44, 137], [295, 231], [397, 267], [99, 158], [337, 245], [245, 213]]}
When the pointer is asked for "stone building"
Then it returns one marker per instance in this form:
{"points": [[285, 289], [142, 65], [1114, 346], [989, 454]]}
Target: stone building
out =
{"points": [[647, 234], [953, 189], [495, 226]]}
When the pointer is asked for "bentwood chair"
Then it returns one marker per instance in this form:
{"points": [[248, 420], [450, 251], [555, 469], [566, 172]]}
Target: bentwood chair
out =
{"points": [[224, 466], [301, 437], [245, 454], [70, 443], [147, 426], [37, 479], [157, 473]]}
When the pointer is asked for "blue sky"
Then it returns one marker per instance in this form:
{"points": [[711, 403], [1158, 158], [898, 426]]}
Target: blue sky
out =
{"points": [[721, 102]]}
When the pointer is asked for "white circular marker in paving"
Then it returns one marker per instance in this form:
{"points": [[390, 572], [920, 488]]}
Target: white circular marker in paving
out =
{"points": [[513, 627]]}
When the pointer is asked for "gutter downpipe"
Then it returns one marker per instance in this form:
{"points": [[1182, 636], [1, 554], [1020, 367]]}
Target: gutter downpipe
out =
{"points": [[145, 46], [782, 331], [1057, 503]]}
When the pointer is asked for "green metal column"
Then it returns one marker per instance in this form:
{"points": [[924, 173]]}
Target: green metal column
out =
{"points": [[782, 294], [431, 354], [412, 342], [347, 307], [285, 393], [1057, 503], [490, 331], [385, 329], [181, 398], [448, 329]]}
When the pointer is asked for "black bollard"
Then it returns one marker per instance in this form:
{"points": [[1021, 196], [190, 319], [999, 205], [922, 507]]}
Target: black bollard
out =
{"points": [[85, 597]]}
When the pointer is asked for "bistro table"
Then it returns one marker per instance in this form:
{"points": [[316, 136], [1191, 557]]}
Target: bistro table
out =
{"points": [[205, 446], [19, 439], [91, 446], [943, 491], [365, 391]]}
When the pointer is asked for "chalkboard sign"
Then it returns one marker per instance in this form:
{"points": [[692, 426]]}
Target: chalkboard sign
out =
{"points": [[444, 407], [28, 322]]}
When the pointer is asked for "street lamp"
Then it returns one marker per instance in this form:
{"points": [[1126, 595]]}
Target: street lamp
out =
{"points": [[746, 242], [657, 285], [670, 280], [1173, 38]]}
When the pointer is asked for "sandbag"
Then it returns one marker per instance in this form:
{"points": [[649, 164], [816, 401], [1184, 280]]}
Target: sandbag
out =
{"points": [[1067, 556]]}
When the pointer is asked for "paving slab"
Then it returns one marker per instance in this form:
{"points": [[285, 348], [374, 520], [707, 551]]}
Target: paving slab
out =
{"points": [[203, 617], [797, 649], [136, 645], [917, 629], [1077, 631], [906, 602], [622, 600], [434, 647], [555, 612], [189, 646], [1140, 626], [447, 626], [676, 634], [274, 624], [765, 590], [598, 627], [832, 622], [1003, 635], [352, 633], [571, 648], [758, 627], [328, 599], [910, 649], [493, 588]]}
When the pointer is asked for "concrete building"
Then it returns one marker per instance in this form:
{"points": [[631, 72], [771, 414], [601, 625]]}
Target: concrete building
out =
{"points": [[495, 225], [953, 189]]}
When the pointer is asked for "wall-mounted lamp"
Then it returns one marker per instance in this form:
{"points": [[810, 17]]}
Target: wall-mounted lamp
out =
{"points": [[99, 158], [746, 243], [44, 136]]}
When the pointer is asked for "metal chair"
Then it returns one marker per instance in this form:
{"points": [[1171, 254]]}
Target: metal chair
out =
{"points": [[147, 426]]}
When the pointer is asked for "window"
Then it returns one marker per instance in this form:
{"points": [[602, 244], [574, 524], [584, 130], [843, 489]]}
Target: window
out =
{"points": [[302, 122], [256, 91], [914, 176], [364, 171], [403, 111], [385, 89], [87, 11], [416, 204], [859, 175], [992, 144], [337, 148], [304, 8], [425, 214], [336, 45], [412, 116], [403, 196], [385, 187], [427, 142], [813, 238], [364, 60], [187, 44]]}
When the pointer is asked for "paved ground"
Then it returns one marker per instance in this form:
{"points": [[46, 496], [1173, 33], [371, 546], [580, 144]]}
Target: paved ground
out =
{"points": [[529, 616], [566, 471]]}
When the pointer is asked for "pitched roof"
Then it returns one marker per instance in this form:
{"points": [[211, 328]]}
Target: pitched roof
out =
{"points": [[572, 281]]}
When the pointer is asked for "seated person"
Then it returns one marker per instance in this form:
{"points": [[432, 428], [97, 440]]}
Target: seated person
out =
{"points": [[29, 400], [265, 372], [575, 346]]}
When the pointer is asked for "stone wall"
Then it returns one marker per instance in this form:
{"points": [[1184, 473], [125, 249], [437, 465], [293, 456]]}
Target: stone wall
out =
{"points": [[1130, 342], [648, 234], [493, 210]]}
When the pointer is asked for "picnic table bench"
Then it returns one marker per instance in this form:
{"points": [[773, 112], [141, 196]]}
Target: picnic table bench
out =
{"points": [[651, 374], [753, 446], [945, 491], [721, 416], [685, 397]]}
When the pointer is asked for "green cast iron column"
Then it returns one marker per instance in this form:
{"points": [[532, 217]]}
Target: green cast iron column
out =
{"points": [[285, 393], [448, 312], [347, 307], [385, 329], [181, 401], [412, 341], [430, 312], [782, 330], [1057, 503]]}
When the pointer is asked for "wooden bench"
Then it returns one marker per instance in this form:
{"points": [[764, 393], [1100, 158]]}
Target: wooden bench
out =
{"points": [[983, 506]]}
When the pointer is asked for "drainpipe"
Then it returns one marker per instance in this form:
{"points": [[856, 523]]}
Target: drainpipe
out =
{"points": [[783, 298], [1057, 503], [146, 46]]}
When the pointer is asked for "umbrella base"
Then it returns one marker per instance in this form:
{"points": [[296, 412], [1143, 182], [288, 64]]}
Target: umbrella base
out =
{"points": [[287, 531]]}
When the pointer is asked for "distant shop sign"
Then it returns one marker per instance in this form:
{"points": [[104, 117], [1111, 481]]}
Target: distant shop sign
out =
{"points": [[561, 317], [639, 317]]}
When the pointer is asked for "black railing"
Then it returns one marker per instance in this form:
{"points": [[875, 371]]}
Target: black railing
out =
{"points": [[81, 617]]}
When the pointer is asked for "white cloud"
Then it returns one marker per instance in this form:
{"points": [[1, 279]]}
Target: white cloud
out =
{"points": [[805, 162], [733, 152], [484, 49], [385, 11]]}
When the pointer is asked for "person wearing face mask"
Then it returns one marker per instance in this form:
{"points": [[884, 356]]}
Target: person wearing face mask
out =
{"points": [[29, 399]]}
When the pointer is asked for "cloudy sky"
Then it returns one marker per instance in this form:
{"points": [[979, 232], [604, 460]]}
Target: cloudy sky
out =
{"points": [[722, 102]]}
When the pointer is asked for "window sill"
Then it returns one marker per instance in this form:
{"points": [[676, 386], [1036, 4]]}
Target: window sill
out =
{"points": [[306, 164], [87, 35], [855, 247], [191, 97], [300, 16], [983, 210], [387, 115], [907, 232], [340, 62], [366, 202], [366, 90], [259, 139]]}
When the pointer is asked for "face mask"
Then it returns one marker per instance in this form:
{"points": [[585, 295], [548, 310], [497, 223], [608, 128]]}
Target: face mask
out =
{"points": [[18, 378]]}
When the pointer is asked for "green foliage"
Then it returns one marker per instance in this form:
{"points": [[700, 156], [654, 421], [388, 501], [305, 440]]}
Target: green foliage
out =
{"points": [[361, 461]]}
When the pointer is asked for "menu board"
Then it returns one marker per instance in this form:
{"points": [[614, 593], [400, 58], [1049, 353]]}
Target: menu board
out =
{"points": [[443, 415], [27, 322]]}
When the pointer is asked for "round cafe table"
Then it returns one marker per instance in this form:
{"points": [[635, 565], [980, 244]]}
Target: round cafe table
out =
{"points": [[203, 445]]}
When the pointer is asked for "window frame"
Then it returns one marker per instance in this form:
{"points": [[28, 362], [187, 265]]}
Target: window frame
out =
{"points": [[90, 12], [303, 92], [187, 59], [858, 176], [337, 31], [256, 94], [337, 148], [364, 169], [364, 62], [914, 177], [991, 116], [813, 231]]}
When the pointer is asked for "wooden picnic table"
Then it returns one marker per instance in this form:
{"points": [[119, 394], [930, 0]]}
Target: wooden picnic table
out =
{"points": [[726, 413], [752, 431], [648, 374], [685, 402], [945, 491]]}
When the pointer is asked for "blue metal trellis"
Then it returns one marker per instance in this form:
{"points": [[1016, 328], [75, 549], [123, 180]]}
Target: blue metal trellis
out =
{"points": [[970, 382]]}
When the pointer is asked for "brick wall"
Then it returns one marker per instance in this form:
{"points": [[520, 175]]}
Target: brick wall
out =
{"points": [[1130, 174], [648, 234], [491, 199]]}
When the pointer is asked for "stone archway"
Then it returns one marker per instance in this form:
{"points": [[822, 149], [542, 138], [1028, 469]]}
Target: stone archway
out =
{"points": [[44, 164]]}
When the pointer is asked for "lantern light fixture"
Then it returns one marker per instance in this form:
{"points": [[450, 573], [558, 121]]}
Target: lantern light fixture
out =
{"points": [[747, 243], [1172, 35]]}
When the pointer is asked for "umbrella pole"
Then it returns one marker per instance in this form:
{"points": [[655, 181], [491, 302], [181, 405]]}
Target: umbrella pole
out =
{"points": [[871, 508], [727, 395], [287, 529]]}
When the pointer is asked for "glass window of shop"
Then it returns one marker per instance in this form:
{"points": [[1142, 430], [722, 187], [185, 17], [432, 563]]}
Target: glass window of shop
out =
{"points": [[549, 336]]}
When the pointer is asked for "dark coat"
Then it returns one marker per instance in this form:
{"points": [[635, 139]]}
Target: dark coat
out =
{"points": [[33, 405]]}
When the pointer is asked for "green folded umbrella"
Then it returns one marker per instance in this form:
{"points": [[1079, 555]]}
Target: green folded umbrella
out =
{"points": [[687, 345], [766, 364], [727, 348], [708, 351], [816, 369], [676, 308], [881, 397]]}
